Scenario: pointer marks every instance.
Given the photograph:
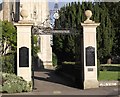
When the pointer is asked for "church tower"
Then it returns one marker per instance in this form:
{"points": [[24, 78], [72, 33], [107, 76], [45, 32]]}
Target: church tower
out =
{"points": [[6, 10]]}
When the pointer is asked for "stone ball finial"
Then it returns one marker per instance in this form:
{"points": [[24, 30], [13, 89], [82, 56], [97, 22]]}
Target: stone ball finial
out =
{"points": [[88, 14], [24, 13]]}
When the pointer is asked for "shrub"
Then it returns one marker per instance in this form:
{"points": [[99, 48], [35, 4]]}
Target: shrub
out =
{"points": [[14, 84], [108, 67], [8, 63], [98, 67], [103, 68], [54, 59]]}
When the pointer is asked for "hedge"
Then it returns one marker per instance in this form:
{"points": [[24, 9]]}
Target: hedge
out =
{"points": [[110, 67]]}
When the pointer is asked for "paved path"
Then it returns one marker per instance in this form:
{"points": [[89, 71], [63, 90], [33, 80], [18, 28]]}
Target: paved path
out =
{"points": [[48, 83]]}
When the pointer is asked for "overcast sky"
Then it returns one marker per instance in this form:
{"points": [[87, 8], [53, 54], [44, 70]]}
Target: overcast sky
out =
{"points": [[0, 1]]}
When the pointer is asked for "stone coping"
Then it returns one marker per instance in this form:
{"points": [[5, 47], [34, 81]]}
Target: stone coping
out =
{"points": [[109, 83]]}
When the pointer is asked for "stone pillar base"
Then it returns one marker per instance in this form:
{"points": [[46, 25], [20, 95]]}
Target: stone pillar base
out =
{"points": [[25, 73], [88, 84], [48, 65]]}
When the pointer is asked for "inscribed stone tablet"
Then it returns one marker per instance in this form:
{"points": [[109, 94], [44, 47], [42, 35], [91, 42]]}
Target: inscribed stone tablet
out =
{"points": [[90, 56], [23, 57]]}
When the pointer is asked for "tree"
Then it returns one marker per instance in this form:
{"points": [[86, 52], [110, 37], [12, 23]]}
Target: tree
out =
{"points": [[106, 32], [74, 15], [35, 47], [9, 44], [9, 37], [114, 10]]}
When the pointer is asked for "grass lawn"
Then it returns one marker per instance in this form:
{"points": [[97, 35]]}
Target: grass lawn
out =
{"points": [[109, 75]]}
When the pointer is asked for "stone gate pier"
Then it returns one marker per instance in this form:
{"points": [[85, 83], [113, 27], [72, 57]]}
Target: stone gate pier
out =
{"points": [[89, 52], [24, 61]]}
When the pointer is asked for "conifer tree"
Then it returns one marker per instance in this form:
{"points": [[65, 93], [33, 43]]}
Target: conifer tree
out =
{"points": [[73, 14]]}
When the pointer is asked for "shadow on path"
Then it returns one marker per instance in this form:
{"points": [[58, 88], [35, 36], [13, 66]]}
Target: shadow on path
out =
{"points": [[50, 76]]}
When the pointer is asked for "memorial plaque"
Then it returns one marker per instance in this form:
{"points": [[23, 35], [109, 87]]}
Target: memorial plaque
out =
{"points": [[23, 57], [90, 56], [90, 69]]}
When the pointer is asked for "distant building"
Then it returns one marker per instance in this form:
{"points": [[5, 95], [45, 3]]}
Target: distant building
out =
{"points": [[1, 11], [38, 12]]}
